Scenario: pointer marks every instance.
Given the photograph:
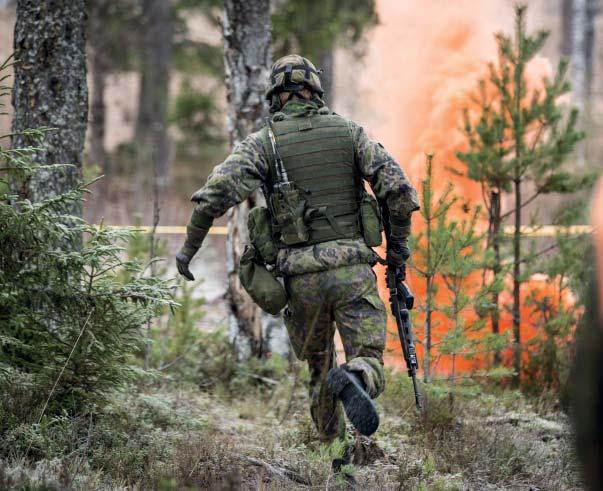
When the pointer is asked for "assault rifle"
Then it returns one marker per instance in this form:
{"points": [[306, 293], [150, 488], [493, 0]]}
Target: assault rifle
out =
{"points": [[402, 300]]}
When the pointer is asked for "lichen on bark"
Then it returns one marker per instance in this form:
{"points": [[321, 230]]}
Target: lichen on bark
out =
{"points": [[246, 30], [50, 90]]}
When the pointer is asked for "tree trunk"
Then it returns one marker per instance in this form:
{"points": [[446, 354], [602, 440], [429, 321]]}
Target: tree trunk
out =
{"points": [[494, 240], [428, 305], [151, 123], [326, 63], [592, 10], [50, 91], [567, 30], [517, 285], [246, 62], [518, 135], [99, 67], [580, 52]]}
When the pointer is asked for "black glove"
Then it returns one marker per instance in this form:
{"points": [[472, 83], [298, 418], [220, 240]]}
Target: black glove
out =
{"points": [[182, 262], [196, 231], [397, 243], [397, 254]]}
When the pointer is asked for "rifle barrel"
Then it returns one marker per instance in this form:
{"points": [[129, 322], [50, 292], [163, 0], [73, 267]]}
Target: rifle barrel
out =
{"points": [[400, 305]]}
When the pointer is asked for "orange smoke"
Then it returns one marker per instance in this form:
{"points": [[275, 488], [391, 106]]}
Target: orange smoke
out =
{"points": [[421, 69]]}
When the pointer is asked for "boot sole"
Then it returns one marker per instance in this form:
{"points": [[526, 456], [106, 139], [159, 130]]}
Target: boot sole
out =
{"points": [[358, 406]]}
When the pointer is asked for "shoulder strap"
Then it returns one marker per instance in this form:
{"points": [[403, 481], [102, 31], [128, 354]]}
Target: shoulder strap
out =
{"points": [[271, 162]]}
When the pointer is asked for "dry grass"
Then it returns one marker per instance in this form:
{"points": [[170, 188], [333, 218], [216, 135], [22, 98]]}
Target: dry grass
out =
{"points": [[181, 438]]}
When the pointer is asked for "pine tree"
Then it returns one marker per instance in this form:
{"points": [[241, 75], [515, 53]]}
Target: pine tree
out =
{"points": [[450, 253], [431, 246], [468, 297], [519, 139]]}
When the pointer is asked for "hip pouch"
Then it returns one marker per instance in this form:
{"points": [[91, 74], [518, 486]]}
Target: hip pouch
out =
{"points": [[289, 209], [262, 285], [370, 218], [259, 225]]}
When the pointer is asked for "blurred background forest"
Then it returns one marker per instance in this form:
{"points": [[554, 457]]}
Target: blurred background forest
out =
{"points": [[500, 283]]}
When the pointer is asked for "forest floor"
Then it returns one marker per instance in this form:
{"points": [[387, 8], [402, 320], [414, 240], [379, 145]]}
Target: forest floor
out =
{"points": [[254, 432]]}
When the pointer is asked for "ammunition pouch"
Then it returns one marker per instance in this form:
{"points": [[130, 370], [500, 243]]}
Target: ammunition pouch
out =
{"points": [[259, 225], [289, 210], [262, 285], [370, 220]]}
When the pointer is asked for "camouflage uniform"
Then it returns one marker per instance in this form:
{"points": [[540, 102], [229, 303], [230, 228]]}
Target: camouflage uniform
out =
{"points": [[328, 282]]}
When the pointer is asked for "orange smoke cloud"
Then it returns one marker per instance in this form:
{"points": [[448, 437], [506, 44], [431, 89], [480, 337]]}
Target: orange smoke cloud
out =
{"points": [[422, 65]]}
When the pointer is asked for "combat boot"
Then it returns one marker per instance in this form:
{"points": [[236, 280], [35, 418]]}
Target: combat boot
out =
{"points": [[345, 459], [360, 409]]}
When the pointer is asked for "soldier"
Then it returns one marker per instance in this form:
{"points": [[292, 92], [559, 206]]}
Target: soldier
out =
{"points": [[324, 253]]}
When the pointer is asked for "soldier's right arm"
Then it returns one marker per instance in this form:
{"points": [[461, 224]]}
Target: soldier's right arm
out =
{"points": [[230, 183]]}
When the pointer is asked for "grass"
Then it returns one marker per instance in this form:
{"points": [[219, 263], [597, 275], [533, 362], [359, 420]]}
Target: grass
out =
{"points": [[173, 436]]}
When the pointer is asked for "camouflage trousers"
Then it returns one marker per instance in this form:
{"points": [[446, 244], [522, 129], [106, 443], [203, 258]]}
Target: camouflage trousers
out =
{"points": [[345, 297]]}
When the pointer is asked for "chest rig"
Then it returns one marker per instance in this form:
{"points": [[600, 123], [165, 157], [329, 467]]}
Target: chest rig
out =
{"points": [[314, 189]]}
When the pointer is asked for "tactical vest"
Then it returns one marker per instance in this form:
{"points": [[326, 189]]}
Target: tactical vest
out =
{"points": [[318, 155]]}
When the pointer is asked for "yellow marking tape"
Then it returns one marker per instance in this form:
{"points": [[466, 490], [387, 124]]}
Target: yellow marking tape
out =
{"points": [[167, 229], [543, 231], [550, 230]]}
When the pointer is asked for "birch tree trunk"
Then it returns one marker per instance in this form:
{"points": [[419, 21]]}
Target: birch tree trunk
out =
{"points": [[246, 61], [151, 123], [50, 90]]}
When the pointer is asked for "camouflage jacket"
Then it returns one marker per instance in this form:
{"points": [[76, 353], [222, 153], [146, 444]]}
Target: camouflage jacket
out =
{"points": [[247, 167]]}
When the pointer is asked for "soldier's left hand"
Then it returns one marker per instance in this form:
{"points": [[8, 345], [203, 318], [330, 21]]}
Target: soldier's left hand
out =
{"points": [[182, 262], [397, 255]]}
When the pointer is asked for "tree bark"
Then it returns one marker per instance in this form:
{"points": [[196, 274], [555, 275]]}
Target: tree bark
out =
{"points": [[326, 62], [566, 27], [246, 61], [150, 133], [99, 67], [494, 242], [50, 91], [517, 284], [581, 63], [428, 301], [518, 135]]}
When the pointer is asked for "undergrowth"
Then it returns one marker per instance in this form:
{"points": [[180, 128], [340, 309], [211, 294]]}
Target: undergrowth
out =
{"points": [[242, 435]]}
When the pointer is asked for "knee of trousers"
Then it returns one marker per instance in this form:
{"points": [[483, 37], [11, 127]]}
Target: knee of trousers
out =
{"points": [[371, 370]]}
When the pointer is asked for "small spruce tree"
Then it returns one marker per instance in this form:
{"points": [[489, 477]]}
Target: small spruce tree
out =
{"points": [[69, 325]]}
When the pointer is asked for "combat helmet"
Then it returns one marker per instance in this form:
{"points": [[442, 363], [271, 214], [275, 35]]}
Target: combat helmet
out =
{"points": [[292, 73]]}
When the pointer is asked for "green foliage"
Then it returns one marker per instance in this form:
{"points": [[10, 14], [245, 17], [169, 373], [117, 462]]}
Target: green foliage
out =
{"points": [[65, 313], [69, 325], [316, 27], [558, 306], [519, 132], [519, 140], [194, 111], [118, 46], [451, 253], [131, 433], [195, 114]]}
